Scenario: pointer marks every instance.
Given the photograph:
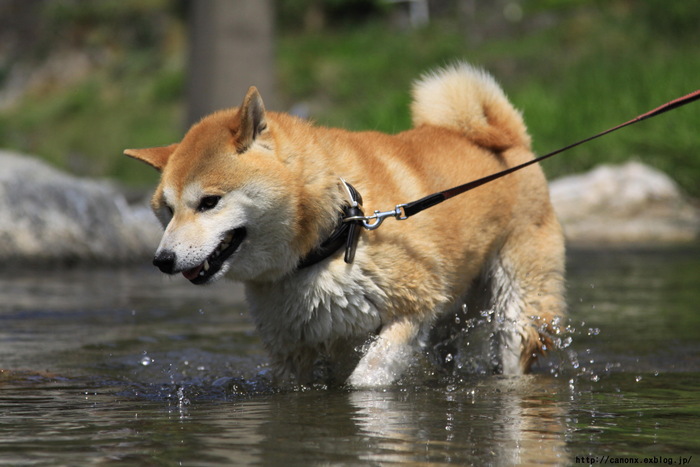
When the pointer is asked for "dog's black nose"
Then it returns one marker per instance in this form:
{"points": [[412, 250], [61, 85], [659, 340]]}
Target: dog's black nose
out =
{"points": [[165, 261]]}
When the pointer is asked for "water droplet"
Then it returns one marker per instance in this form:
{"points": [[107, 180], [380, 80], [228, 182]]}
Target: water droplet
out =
{"points": [[146, 360], [181, 396], [448, 358], [595, 378], [637, 378]]}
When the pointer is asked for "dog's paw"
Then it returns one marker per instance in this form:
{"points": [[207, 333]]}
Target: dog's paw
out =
{"points": [[381, 366], [388, 356], [367, 375]]}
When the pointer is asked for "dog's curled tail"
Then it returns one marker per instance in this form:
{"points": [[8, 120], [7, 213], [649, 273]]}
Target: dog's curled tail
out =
{"points": [[467, 99]]}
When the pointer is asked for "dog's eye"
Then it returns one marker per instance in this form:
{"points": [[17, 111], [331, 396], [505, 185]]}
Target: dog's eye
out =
{"points": [[208, 202]]}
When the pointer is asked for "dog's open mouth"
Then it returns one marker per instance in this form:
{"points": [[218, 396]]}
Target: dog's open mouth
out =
{"points": [[230, 243]]}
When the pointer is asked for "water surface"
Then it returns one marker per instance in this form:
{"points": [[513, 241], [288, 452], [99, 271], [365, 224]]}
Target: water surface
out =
{"points": [[102, 366]]}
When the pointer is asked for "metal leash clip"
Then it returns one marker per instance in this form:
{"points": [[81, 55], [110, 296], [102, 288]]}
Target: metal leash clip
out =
{"points": [[378, 217], [375, 220]]}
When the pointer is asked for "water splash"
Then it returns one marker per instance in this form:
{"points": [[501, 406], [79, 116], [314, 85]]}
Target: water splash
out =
{"points": [[472, 349]]}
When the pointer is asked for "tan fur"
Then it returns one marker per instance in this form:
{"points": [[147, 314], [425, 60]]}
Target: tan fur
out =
{"points": [[279, 177]]}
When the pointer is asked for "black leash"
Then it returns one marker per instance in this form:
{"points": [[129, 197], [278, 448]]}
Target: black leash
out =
{"points": [[404, 211], [348, 229]]}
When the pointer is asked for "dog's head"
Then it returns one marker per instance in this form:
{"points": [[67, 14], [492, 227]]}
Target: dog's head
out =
{"points": [[225, 199]]}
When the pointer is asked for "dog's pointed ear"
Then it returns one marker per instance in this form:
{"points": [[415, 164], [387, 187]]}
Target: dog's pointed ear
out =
{"points": [[252, 119], [155, 157]]}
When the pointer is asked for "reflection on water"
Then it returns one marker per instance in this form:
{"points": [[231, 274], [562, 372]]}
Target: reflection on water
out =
{"points": [[128, 365], [502, 421]]}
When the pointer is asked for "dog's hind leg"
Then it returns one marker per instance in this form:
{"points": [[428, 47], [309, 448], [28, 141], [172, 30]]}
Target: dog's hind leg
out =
{"points": [[527, 295], [388, 356]]}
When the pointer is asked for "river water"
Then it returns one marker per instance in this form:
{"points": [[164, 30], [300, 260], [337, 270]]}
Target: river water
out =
{"points": [[130, 367]]}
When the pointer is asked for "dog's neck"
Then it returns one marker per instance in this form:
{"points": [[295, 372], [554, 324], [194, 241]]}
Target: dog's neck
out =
{"points": [[343, 235]]}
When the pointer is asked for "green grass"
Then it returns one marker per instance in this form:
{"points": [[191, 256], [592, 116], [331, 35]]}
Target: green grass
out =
{"points": [[592, 68], [84, 128], [360, 78], [610, 82]]}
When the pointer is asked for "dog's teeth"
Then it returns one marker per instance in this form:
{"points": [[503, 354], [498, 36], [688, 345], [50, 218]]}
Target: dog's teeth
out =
{"points": [[224, 245], [206, 266]]}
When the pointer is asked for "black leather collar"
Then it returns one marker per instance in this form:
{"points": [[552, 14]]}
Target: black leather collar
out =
{"points": [[345, 233]]}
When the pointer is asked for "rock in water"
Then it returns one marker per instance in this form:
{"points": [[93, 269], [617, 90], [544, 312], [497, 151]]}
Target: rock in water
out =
{"points": [[629, 203], [47, 215]]}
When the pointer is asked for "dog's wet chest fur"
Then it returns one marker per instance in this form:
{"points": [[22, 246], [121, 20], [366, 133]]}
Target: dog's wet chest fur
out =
{"points": [[316, 306]]}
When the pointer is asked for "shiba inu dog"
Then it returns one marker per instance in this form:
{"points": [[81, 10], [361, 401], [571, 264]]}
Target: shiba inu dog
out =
{"points": [[257, 196]]}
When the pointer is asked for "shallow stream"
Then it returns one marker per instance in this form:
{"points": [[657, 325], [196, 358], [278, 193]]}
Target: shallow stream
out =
{"points": [[127, 366]]}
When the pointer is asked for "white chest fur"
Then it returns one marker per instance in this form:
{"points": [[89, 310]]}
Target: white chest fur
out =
{"points": [[316, 305]]}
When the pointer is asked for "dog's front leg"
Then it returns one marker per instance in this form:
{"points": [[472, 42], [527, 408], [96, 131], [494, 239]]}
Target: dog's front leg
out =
{"points": [[388, 356]]}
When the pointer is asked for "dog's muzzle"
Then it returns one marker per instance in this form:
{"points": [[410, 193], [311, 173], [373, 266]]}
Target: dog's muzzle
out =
{"points": [[166, 260]]}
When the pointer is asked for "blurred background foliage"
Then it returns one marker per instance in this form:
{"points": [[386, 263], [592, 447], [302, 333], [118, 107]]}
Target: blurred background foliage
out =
{"points": [[80, 80]]}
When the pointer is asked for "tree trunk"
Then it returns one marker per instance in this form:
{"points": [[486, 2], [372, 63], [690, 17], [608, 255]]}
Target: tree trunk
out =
{"points": [[231, 49]]}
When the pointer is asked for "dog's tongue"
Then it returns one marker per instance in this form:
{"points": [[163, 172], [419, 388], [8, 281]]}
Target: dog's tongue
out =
{"points": [[192, 273]]}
